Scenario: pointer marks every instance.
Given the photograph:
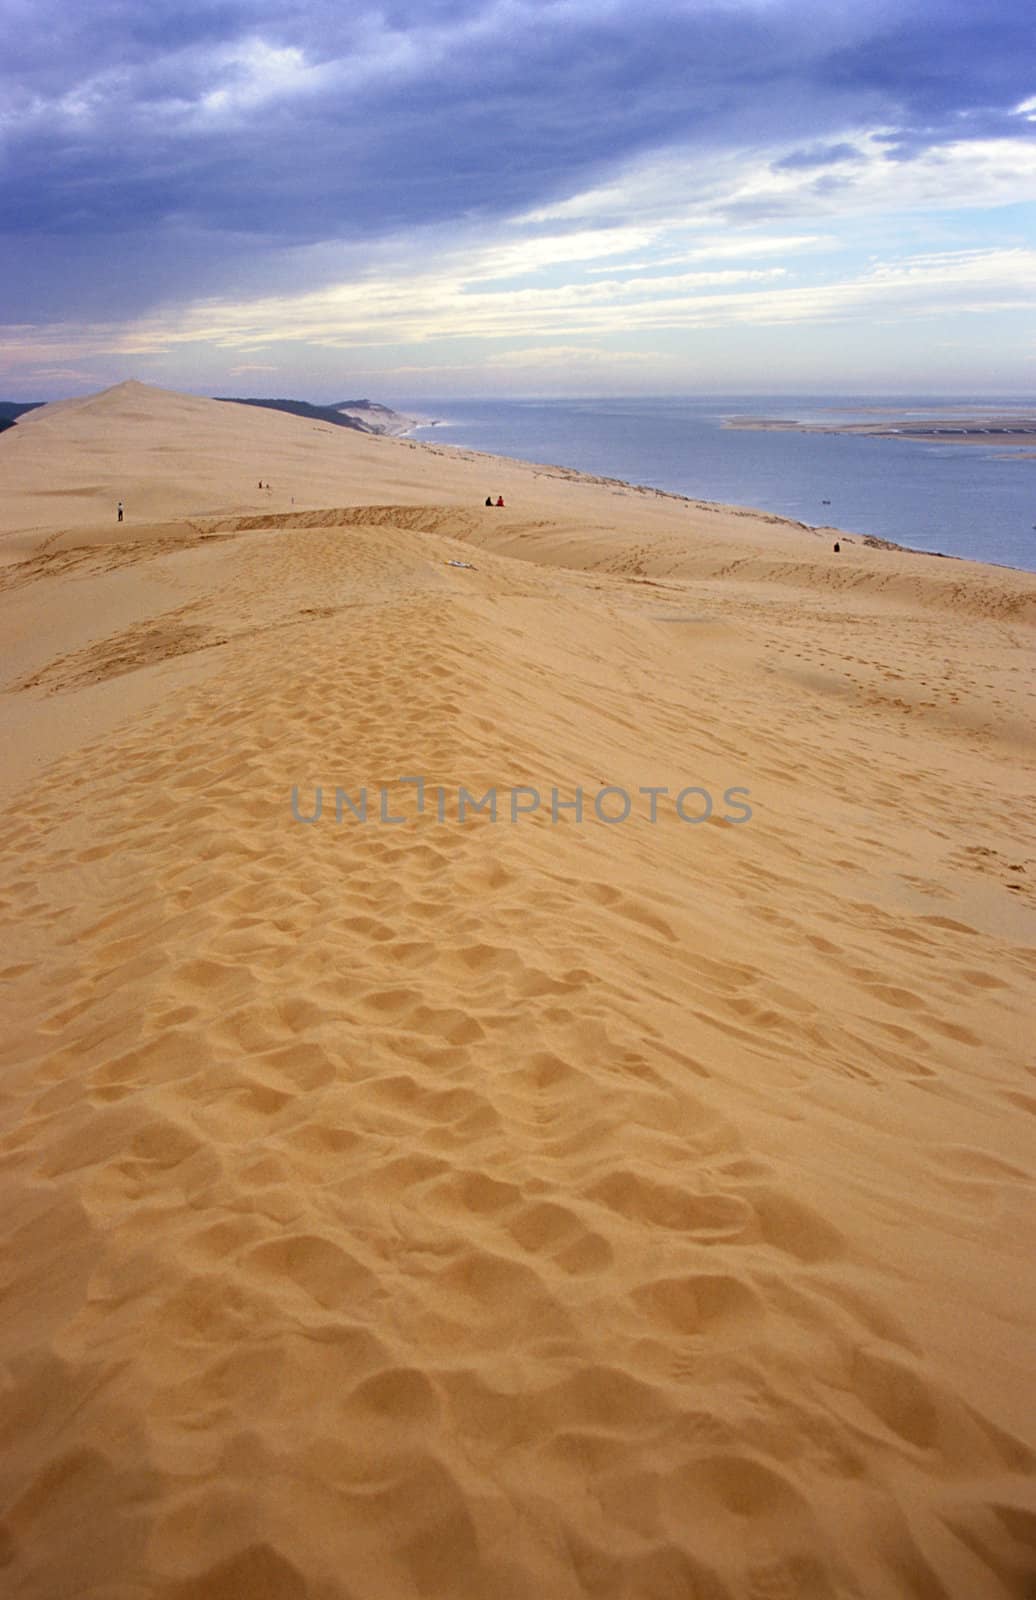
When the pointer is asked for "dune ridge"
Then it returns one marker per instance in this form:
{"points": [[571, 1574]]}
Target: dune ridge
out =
{"points": [[559, 1207]]}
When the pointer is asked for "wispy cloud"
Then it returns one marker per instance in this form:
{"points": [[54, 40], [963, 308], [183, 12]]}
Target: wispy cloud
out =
{"points": [[438, 307]]}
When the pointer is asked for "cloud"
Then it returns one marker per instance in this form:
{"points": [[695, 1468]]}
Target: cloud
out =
{"points": [[158, 155], [823, 155], [74, 375], [444, 308], [572, 356]]}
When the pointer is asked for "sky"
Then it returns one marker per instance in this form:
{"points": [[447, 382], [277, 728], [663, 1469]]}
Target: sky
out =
{"points": [[329, 199]]}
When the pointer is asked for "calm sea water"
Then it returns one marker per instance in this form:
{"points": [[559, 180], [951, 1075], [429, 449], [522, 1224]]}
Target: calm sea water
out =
{"points": [[966, 500]]}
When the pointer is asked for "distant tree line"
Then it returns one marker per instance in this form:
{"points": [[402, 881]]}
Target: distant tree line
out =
{"points": [[302, 408], [11, 410]]}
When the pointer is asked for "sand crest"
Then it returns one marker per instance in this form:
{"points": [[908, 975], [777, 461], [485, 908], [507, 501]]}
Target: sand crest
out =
{"points": [[578, 1207]]}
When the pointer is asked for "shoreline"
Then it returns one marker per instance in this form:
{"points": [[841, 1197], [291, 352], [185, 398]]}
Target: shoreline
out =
{"points": [[871, 541], [772, 425], [561, 473]]}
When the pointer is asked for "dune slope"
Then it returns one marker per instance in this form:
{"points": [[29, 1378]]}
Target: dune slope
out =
{"points": [[556, 1206]]}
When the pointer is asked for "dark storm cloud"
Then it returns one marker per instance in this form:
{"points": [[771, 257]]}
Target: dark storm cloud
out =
{"points": [[335, 122], [824, 155], [950, 74]]}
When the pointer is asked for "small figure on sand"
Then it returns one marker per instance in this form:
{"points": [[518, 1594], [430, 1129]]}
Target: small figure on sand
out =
{"points": [[837, 547], [119, 511], [489, 499], [499, 499]]}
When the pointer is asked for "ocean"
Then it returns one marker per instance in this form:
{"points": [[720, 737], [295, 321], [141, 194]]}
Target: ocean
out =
{"points": [[972, 500]]}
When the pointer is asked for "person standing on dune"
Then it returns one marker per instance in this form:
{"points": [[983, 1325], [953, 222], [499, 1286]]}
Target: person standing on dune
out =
{"points": [[119, 511]]}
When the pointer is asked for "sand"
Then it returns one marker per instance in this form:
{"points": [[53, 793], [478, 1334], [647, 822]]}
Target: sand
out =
{"points": [[950, 427], [635, 1210]]}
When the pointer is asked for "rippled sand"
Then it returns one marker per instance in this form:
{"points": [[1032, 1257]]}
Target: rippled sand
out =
{"points": [[523, 1211]]}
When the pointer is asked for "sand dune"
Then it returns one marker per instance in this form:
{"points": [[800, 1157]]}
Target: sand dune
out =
{"points": [[639, 1210]]}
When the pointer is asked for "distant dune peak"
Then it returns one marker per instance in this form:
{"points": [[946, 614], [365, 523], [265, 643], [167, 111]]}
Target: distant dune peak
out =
{"points": [[119, 397], [136, 389], [135, 399]]}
